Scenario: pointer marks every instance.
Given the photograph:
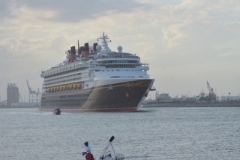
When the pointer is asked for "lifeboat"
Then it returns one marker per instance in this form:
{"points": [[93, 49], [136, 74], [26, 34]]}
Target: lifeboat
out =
{"points": [[74, 86], [63, 87], [79, 85], [70, 86]]}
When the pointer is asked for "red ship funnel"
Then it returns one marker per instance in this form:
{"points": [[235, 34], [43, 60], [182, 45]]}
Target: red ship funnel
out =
{"points": [[85, 51], [72, 55]]}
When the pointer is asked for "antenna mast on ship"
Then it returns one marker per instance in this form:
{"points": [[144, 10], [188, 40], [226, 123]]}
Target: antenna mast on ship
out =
{"points": [[105, 49], [104, 41]]}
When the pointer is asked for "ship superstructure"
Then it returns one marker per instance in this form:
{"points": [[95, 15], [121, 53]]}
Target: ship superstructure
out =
{"points": [[96, 80]]}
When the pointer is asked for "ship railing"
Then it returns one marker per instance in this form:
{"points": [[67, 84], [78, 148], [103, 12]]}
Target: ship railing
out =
{"points": [[105, 57], [64, 69]]}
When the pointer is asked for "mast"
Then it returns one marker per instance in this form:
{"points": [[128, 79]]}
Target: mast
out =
{"points": [[104, 41]]}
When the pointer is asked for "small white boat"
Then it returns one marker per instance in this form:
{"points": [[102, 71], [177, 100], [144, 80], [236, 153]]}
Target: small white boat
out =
{"points": [[107, 155]]}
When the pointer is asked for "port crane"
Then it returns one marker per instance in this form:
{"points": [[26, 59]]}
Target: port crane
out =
{"points": [[212, 95], [209, 88], [33, 95]]}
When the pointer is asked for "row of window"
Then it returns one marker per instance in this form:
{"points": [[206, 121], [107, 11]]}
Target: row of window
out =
{"points": [[63, 70], [53, 79], [120, 66], [118, 61], [56, 80]]}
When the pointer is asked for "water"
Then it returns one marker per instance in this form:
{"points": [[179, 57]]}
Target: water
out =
{"points": [[158, 134]]}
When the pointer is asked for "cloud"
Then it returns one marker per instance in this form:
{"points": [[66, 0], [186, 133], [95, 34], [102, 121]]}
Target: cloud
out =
{"points": [[192, 40], [8, 9], [58, 42], [67, 11]]}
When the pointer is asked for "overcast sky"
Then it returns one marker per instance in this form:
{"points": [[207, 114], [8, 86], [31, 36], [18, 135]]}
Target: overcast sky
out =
{"points": [[186, 42]]}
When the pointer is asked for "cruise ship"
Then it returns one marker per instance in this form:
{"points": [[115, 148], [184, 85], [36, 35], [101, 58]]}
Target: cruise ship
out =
{"points": [[94, 78]]}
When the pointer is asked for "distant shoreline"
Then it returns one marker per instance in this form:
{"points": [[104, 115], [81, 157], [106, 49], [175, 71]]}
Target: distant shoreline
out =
{"points": [[17, 107], [192, 104]]}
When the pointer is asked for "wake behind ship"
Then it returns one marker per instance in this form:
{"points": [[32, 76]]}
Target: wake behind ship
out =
{"points": [[96, 79]]}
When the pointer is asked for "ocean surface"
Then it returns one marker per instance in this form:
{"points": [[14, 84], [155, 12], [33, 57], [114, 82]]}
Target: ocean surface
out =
{"points": [[151, 134]]}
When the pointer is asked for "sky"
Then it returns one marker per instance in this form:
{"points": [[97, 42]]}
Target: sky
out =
{"points": [[185, 42]]}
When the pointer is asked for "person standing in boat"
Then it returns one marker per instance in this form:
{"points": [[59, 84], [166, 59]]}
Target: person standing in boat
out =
{"points": [[88, 153]]}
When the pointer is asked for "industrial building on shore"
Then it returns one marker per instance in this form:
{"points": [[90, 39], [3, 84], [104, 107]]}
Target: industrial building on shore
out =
{"points": [[14, 99], [201, 100]]}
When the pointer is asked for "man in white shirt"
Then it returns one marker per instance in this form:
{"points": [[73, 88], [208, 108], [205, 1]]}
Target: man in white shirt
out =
{"points": [[88, 148], [88, 154]]}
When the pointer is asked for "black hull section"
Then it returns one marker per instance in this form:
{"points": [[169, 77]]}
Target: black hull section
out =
{"points": [[116, 97]]}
